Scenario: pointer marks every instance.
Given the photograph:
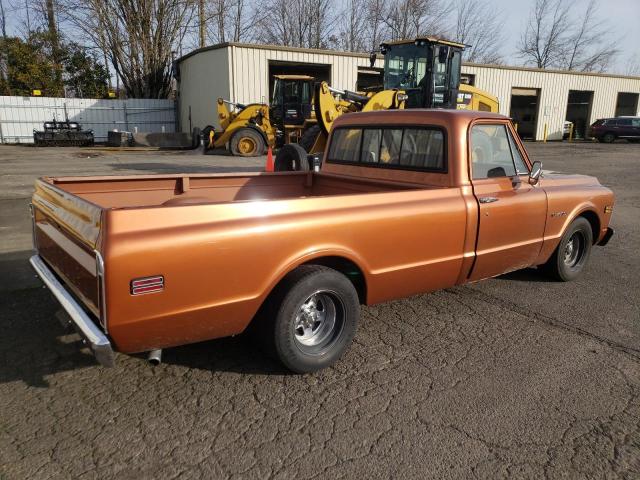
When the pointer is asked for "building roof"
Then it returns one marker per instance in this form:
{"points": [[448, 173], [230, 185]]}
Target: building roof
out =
{"points": [[259, 46]]}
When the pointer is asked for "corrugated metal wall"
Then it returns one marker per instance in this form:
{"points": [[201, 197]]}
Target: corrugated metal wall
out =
{"points": [[250, 69], [240, 73], [19, 116], [203, 79], [554, 92]]}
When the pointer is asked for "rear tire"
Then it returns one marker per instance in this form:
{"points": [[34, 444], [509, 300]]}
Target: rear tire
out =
{"points": [[246, 142], [311, 318], [309, 137], [607, 138], [291, 158], [572, 253]]}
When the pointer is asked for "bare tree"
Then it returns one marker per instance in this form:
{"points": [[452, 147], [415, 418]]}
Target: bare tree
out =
{"points": [[375, 14], [410, 18], [352, 26], [481, 31], [589, 46], [138, 36], [295, 23], [542, 42], [229, 21], [555, 38], [633, 66]]}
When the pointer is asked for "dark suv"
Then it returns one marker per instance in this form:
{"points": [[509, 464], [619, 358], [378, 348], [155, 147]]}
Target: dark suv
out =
{"points": [[608, 129]]}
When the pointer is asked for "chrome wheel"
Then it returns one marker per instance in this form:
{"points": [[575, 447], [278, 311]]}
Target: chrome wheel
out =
{"points": [[318, 322], [574, 250]]}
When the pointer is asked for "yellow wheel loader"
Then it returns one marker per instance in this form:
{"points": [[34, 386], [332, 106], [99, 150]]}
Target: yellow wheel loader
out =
{"points": [[421, 73], [247, 130], [472, 98]]}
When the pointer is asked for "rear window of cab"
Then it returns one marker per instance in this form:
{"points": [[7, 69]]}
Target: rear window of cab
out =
{"points": [[408, 148]]}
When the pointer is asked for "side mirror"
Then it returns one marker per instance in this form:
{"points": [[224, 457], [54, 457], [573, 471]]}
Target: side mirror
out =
{"points": [[372, 59], [536, 172]]}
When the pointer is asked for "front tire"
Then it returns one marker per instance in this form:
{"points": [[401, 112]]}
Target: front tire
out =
{"points": [[313, 317], [246, 142], [572, 253]]}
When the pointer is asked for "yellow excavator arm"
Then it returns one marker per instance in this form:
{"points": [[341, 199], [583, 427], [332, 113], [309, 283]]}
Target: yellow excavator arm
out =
{"points": [[328, 108]]}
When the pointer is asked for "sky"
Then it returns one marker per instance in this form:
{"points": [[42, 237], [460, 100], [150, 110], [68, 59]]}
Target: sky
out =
{"points": [[623, 15]]}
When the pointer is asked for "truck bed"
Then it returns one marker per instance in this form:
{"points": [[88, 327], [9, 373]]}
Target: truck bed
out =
{"points": [[174, 190]]}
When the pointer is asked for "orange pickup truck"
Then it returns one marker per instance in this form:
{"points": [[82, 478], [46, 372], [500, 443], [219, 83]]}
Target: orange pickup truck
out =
{"points": [[405, 202]]}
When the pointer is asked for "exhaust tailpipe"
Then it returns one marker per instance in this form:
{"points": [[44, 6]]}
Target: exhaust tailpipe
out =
{"points": [[155, 357]]}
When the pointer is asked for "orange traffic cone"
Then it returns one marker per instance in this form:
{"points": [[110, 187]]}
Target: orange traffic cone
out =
{"points": [[269, 165]]}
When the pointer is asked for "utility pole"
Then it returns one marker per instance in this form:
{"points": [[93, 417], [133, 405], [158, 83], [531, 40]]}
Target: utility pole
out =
{"points": [[26, 5], [201, 21], [3, 55], [55, 42]]}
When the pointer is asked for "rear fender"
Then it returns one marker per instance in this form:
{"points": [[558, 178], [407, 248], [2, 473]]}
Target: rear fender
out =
{"points": [[301, 258]]}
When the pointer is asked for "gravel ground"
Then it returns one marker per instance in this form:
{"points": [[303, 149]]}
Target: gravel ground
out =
{"points": [[515, 377]]}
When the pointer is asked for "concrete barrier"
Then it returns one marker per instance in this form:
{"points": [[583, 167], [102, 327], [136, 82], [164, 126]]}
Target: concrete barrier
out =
{"points": [[169, 140]]}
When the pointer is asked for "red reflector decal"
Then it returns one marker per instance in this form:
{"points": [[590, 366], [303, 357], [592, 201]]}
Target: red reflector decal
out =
{"points": [[147, 285]]}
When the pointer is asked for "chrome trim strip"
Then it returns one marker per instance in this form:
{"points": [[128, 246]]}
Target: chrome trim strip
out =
{"points": [[102, 300], [97, 340]]}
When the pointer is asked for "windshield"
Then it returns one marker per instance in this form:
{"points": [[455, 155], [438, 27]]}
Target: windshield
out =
{"points": [[405, 67]]}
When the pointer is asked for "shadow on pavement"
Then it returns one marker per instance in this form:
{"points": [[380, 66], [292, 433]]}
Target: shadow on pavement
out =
{"points": [[34, 344], [526, 275], [234, 354]]}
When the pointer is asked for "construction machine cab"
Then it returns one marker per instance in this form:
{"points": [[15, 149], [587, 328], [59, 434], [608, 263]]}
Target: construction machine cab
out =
{"points": [[427, 69], [291, 101]]}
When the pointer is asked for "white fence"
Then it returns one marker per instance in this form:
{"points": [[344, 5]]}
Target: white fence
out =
{"points": [[20, 116]]}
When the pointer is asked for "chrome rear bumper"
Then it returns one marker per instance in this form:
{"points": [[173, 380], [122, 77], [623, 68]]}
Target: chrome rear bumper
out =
{"points": [[93, 336]]}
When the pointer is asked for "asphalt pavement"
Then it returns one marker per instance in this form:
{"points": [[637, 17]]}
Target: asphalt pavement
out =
{"points": [[513, 377]]}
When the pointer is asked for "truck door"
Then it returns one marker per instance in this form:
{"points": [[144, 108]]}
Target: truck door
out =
{"points": [[512, 213]]}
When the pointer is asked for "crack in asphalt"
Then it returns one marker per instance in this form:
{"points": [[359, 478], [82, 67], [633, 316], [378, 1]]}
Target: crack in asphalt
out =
{"points": [[554, 322]]}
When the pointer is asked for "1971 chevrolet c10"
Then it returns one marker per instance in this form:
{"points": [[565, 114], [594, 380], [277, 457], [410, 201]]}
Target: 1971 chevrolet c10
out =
{"points": [[405, 202]]}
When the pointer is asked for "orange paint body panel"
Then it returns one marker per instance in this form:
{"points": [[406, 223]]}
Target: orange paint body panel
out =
{"points": [[222, 242]]}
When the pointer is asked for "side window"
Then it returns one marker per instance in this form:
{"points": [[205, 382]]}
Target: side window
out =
{"points": [[624, 122], [423, 148], [490, 152], [345, 145], [635, 122], [521, 167], [370, 146], [416, 148], [390, 146]]}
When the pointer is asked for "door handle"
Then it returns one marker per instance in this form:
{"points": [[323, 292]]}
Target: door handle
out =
{"points": [[488, 199]]}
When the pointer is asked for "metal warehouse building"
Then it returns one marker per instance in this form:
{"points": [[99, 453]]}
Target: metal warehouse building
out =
{"points": [[533, 98]]}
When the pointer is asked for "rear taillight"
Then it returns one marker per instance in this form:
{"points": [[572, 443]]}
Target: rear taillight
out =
{"points": [[153, 284]]}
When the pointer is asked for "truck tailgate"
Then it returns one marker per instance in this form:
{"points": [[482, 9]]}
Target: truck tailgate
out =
{"points": [[65, 233]]}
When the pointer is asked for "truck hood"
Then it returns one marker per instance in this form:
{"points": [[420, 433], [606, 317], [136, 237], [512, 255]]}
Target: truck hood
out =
{"points": [[555, 178]]}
